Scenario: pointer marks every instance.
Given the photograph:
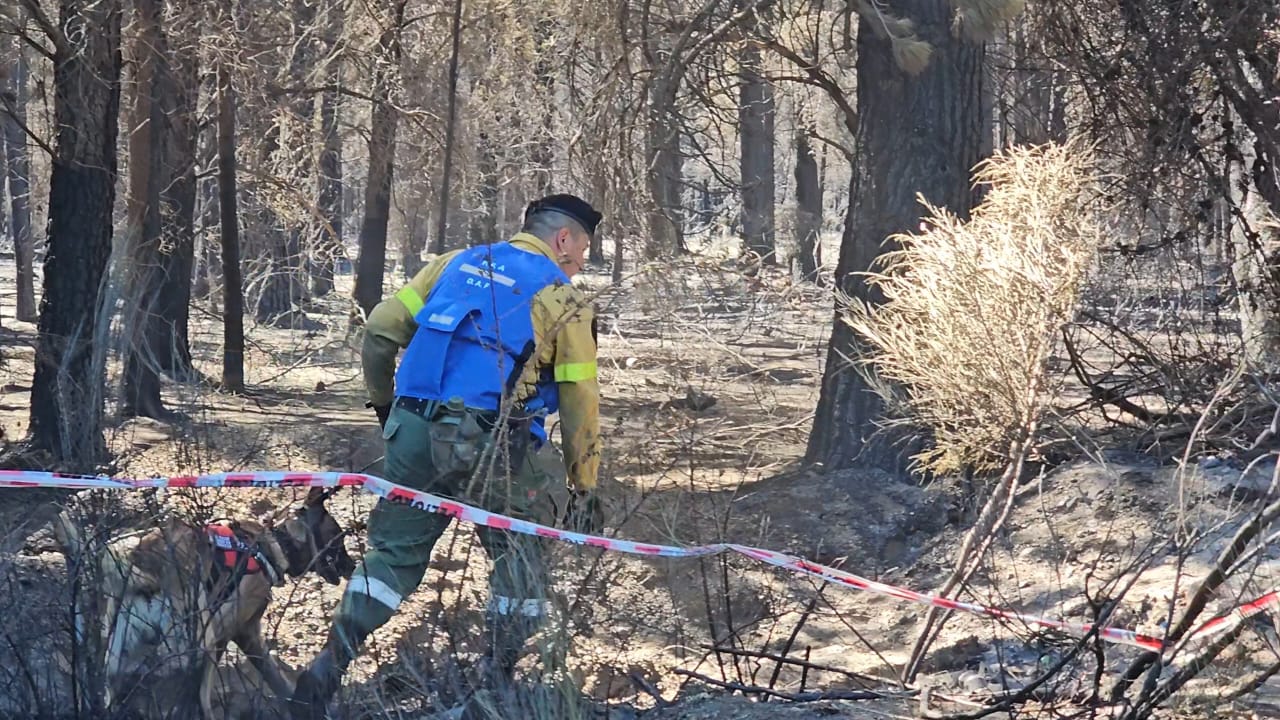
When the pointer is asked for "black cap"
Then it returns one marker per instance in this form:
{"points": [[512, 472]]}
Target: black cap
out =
{"points": [[571, 205]]}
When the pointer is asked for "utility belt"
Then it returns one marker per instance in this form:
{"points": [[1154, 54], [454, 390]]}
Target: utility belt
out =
{"points": [[473, 422], [432, 410]]}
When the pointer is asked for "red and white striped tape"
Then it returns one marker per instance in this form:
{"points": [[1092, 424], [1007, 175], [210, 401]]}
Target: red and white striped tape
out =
{"points": [[434, 503]]}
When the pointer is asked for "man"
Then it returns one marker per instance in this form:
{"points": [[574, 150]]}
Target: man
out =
{"points": [[490, 333]]}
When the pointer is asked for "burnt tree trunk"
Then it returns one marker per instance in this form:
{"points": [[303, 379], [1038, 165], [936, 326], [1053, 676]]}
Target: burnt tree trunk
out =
{"points": [[600, 196], [541, 135], [232, 286], [143, 273], [306, 47], [1254, 259], [450, 128], [664, 163], [756, 119], [208, 261], [18, 171], [808, 206], [177, 211], [666, 221], [161, 211], [288, 141], [1033, 103], [67, 388], [371, 264], [417, 231], [328, 240], [919, 134], [4, 177], [484, 224]]}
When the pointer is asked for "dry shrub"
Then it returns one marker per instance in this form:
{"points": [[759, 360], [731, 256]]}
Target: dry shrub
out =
{"points": [[972, 309]]}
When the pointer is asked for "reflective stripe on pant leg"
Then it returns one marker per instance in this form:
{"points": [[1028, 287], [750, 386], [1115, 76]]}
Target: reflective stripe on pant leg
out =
{"points": [[375, 589], [366, 605], [400, 537]]}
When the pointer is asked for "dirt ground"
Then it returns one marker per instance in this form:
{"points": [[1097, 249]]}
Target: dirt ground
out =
{"points": [[709, 378]]}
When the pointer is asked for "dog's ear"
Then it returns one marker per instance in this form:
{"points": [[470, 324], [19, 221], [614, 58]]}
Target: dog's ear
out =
{"points": [[297, 530], [317, 495]]}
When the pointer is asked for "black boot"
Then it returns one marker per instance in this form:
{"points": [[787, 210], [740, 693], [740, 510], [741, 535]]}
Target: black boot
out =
{"points": [[319, 682]]}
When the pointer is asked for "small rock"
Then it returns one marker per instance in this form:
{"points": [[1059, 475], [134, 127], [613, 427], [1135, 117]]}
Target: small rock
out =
{"points": [[695, 401], [972, 681]]}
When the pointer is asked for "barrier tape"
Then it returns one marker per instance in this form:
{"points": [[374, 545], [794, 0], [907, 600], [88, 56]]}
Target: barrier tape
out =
{"points": [[436, 504]]}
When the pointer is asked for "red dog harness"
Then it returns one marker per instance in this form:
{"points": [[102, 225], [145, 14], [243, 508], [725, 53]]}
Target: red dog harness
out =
{"points": [[235, 555]]}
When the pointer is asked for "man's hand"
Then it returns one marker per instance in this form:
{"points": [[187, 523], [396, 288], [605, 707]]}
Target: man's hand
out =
{"points": [[586, 512], [382, 411]]}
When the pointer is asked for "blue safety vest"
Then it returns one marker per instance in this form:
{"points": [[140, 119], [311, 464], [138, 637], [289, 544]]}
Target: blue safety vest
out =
{"points": [[475, 332]]}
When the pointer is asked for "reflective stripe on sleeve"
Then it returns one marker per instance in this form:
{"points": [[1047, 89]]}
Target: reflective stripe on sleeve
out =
{"points": [[575, 372], [409, 298]]}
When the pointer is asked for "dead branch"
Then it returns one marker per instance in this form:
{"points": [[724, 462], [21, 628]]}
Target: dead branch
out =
{"points": [[791, 639], [1242, 687], [1151, 697], [1228, 558], [1104, 395], [639, 681], [797, 697], [1208, 588], [976, 542], [785, 660]]}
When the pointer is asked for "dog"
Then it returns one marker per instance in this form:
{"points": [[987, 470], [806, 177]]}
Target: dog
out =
{"points": [[173, 598]]}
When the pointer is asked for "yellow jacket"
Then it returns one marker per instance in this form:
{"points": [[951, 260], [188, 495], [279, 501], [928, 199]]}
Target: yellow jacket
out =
{"points": [[562, 319]]}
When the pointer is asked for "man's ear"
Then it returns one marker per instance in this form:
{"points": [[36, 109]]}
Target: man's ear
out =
{"points": [[565, 236]]}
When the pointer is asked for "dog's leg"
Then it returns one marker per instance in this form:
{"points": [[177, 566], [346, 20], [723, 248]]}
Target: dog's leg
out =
{"points": [[208, 676], [210, 644], [249, 639]]}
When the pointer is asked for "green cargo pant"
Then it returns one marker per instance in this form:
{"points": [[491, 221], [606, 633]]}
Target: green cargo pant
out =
{"points": [[439, 456]]}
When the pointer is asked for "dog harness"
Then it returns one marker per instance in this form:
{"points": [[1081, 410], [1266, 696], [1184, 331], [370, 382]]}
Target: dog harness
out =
{"points": [[233, 554]]}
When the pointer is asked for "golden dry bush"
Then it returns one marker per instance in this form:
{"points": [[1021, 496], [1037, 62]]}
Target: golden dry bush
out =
{"points": [[972, 309]]}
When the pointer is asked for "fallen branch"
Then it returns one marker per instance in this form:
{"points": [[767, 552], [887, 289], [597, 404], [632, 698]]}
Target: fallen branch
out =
{"points": [[1104, 395], [639, 681], [1152, 697], [796, 697], [1240, 688], [795, 631], [784, 660]]}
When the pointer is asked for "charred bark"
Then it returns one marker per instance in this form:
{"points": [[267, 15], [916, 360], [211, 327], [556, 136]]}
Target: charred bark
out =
{"points": [[371, 264], [328, 238], [756, 119], [920, 134], [18, 172], [232, 287], [66, 390], [808, 206]]}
